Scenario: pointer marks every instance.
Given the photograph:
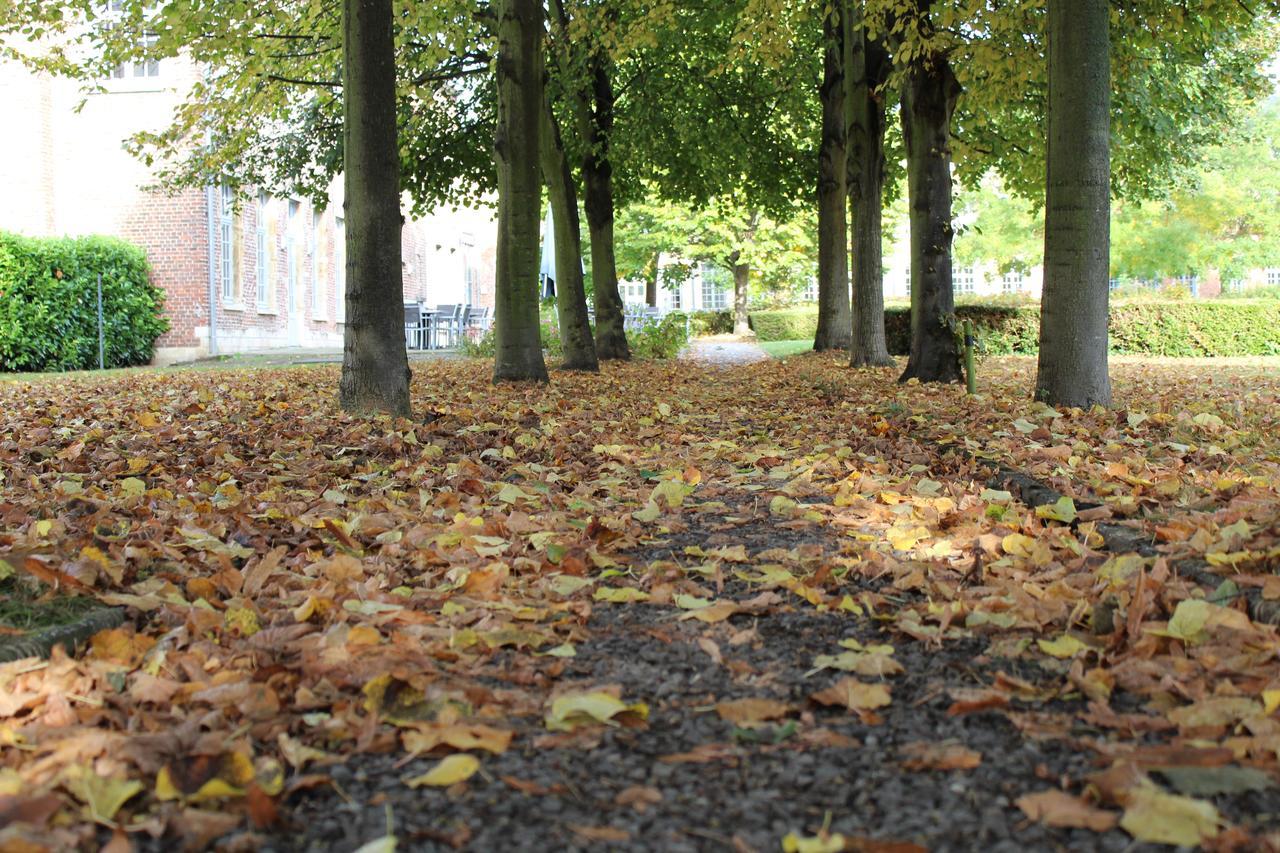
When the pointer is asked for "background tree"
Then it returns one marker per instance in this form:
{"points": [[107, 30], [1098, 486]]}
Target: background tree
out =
{"points": [[571, 297], [929, 95], [375, 366], [518, 342], [868, 66], [835, 320], [1072, 368]]}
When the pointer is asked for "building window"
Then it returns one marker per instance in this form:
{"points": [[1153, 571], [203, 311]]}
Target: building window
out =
{"points": [[1012, 282], [966, 280], [317, 291], [145, 65], [1273, 277], [291, 254], [632, 292], [674, 296], [227, 247], [264, 255], [810, 291], [714, 294], [340, 268]]}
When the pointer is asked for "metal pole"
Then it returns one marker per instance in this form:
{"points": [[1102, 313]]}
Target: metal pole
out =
{"points": [[970, 377], [102, 338]]}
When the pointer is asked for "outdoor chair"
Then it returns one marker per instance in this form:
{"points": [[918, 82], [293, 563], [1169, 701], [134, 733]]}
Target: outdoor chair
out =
{"points": [[413, 331], [448, 325]]}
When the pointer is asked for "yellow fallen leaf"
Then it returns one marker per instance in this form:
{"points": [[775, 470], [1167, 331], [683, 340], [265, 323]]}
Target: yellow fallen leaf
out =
{"points": [[449, 771], [102, 795], [792, 843], [1152, 815], [576, 709], [1065, 646], [620, 595]]}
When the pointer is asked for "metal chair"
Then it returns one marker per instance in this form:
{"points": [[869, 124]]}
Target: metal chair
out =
{"points": [[413, 331]]}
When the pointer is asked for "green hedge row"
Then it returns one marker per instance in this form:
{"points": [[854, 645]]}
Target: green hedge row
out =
{"points": [[49, 303], [1188, 328]]}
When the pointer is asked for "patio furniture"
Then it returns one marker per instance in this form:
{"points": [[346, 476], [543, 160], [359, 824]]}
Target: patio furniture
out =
{"points": [[448, 325]]}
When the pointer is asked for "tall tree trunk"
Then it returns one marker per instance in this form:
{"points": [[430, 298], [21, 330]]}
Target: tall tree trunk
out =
{"points": [[741, 278], [597, 176], [654, 272], [571, 296], [868, 65], [375, 365], [518, 352], [928, 100], [834, 319], [1073, 311]]}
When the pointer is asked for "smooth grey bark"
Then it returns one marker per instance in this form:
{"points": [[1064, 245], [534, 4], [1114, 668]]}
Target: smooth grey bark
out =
{"points": [[1074, 309], [741, 279], [868, 65], [518, 351], [928, 101], [571, 295], [835, 323], [375, 364]]}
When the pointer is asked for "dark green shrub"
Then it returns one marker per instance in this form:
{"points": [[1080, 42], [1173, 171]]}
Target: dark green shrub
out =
{"points": [[662, 340], [792, 324], [48, 303], [710, 323]]}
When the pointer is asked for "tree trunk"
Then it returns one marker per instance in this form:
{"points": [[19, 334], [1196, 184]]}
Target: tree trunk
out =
{"points": [[834, 319], [571, 296], [518, 352], [928, 99], [741, 278], [868, 69], [1073, 311], [651, 281], [597, 173], [375, 365]]}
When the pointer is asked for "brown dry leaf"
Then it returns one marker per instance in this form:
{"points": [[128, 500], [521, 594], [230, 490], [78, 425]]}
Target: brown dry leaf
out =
{"points": [[939, 755], [750, 711], [600, 833], [639, 797], [855, 695], [709, 646], [1058, 808]]}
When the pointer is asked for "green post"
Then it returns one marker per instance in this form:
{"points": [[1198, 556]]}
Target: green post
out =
{"points": [[970, 377]]}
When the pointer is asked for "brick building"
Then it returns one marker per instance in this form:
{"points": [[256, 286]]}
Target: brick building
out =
{"points": [[238, 274]]}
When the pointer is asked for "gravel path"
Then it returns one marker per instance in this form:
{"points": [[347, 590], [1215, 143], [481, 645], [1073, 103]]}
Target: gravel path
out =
{"points": [[723, 351], [692, 781]]}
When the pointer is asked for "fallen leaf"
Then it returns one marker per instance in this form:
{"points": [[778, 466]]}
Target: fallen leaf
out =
{"points": [[1058, 808], [448, 771]]}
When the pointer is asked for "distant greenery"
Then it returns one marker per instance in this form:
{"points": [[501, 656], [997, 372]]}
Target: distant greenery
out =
{"points": [[782, 349], [49, 303], [659, 340], [1235, 327]]}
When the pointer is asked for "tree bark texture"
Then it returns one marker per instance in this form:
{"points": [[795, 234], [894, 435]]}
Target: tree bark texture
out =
{"points": [[868, 65], [518, 352], [928, 100], [741, 279], [834, 319], [375, 364], [571, 296], [1073, 368], [596, 120]]}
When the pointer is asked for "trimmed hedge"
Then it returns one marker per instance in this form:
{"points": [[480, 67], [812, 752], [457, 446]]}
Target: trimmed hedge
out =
{"points": [[49, 303], [1187, 328], [711, 322]]}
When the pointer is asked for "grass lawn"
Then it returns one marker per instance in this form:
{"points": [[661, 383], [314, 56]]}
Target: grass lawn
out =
{"points": [[782, 349]]}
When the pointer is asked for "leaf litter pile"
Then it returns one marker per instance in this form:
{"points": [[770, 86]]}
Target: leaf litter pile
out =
{"points": [[776, 606]]}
